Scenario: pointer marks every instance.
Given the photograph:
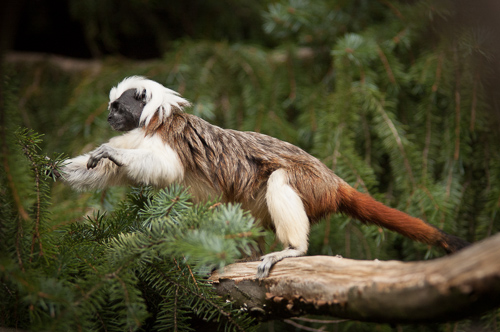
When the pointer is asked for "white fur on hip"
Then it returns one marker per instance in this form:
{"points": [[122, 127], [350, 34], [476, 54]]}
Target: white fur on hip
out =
{"points": [[287, 212]]}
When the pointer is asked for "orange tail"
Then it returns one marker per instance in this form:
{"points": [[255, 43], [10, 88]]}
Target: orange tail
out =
{"points": [[364, 208]]}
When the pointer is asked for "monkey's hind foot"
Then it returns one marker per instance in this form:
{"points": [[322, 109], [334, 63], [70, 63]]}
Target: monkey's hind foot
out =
{"points": [[269, 260]]}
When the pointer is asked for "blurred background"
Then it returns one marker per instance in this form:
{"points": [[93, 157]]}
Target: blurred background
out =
{"points": [[399, 98]]}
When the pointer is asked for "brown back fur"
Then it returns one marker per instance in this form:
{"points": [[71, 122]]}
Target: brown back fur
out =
{"points": [[238, 164]]}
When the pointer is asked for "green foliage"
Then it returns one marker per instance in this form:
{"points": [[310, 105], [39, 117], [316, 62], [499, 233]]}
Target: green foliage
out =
{"points": [[141, 267]]}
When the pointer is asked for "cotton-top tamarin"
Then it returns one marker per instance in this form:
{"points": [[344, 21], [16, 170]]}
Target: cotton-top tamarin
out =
{"points": [[285, 188]]}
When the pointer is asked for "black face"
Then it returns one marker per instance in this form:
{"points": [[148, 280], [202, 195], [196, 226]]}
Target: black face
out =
{"points": [[125, 112]]}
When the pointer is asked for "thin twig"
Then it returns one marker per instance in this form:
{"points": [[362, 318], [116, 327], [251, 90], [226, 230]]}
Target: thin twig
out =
{"points": [[192, 276], [439, 69], [293, 84], [302, 327], [474, 103], [396, 11], [36, 232], [174, 201], [238, 235], [386, 64], [456, 153], [175, 307], [427, 146], [321, 321]]}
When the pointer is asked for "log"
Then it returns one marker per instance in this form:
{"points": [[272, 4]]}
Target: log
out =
{"points": [[64, 63], [449, 288]]}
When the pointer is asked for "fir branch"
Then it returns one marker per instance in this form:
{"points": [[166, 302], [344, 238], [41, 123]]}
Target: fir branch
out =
{"points": [[190, 272], [396, 39], [386, 64], [201, 297], [380, 108], [88, 263], [439, 69], [174, 201], [239, 235], [321, 321], [354, 170], [457, 100], [29, 141], [393, 8], [214, 205], [23, 215], [20, 208], [301, 327], [474, 102], [428, 135], [176, 298], [36, 232], [127, 297], [192, 277], [19, 236], [432, 198], [291, 77]]}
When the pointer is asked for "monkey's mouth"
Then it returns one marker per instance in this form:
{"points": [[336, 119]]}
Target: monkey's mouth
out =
{"points": [[120, 125]]}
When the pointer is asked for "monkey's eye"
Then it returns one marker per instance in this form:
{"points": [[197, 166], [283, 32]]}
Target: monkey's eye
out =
{"points": [[141, 97]]}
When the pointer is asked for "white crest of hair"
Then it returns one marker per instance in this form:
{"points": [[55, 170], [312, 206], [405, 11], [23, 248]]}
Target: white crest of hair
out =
{"points": [[159, 99]]}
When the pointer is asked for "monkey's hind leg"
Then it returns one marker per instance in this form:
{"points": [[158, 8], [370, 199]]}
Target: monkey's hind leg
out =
{"points": [[289, 218]]}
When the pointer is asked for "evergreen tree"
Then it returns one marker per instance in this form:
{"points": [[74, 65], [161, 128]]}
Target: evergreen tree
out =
{"points": [[141, 267]]}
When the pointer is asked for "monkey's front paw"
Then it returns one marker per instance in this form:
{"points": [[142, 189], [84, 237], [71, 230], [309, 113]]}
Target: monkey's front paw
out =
{"points": [[53, 173], [51, 170], [104, 151]]}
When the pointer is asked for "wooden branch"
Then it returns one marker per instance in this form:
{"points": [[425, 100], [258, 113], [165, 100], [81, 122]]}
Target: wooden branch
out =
{"points": [[75, 65], [64, 63], [449, 288]]}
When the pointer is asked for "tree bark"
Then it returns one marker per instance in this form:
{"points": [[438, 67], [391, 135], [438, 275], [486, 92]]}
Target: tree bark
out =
{"points": [[450, 288]]}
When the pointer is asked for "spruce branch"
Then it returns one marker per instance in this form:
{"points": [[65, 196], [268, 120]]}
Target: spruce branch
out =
{"points": [[20, 208], [386, 64], [176, 298], [379, 107], [474, 102], [457, 103], [29, 142], [201, 297]]}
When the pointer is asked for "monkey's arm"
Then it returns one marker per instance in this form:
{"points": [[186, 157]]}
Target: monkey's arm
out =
{"points": [[75, 173], [158, 166]]}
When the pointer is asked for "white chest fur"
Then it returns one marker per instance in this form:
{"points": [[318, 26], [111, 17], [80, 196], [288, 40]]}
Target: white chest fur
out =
{"points": [[147, 159]]}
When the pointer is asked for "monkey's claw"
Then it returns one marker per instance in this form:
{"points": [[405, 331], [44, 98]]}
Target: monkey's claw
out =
{"points": [[104, 151], [263, 269], [92, 163], [267, 263], [270, 259]]}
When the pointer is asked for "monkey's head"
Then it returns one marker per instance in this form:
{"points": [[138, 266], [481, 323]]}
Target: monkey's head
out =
{"points": [[135, 100]]}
